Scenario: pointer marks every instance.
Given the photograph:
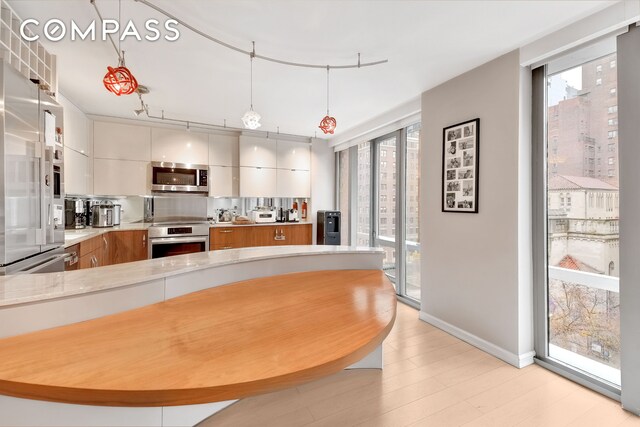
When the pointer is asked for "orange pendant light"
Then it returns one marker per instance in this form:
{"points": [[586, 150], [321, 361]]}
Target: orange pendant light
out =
{"points": [[328, 123]]}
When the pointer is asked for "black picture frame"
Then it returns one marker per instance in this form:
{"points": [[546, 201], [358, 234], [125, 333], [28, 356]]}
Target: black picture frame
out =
{"points": [[461, 167]]}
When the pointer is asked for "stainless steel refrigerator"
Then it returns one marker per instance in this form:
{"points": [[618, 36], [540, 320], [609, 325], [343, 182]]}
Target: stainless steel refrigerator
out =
{"points": [[31, 177]]}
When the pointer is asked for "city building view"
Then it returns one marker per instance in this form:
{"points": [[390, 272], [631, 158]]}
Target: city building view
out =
{"points": [[583, 217]]}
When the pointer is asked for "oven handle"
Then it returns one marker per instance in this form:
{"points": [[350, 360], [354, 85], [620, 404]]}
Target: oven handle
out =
{"points": [[169, 240]]}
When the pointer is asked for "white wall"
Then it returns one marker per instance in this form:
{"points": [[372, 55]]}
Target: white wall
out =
{"points": [[323, 180], [476, 268]]}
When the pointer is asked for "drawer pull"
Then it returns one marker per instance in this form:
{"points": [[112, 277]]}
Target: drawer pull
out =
{"points": [[226, 231]]}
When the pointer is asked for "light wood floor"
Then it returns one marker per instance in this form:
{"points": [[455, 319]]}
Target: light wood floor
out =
{"points": [[430, 379]]}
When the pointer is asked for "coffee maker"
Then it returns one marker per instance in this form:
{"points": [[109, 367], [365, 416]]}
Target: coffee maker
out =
{"points": [[74, 215]]}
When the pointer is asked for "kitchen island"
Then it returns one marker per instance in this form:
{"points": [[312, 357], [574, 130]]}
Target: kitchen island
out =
{"points": [[37, 302]]}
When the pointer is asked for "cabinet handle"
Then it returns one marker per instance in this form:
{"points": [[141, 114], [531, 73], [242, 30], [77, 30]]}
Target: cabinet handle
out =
{"points": [[94, 261], [144, 240], [227, 247], [280, 235], [226, 231], [106, 244]]}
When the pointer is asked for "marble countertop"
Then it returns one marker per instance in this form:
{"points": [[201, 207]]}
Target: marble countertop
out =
{"points": [[20, 289]]}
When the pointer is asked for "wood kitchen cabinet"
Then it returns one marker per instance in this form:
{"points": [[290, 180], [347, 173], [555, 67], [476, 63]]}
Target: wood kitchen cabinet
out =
{"points": [[114, 247], [127, 246], [263, 235], [231, 237]]}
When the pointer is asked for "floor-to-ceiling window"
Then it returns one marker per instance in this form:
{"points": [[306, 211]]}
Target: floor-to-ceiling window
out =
{"points": [[382, 190], [412, 212], [577, 227], [344, 194], [583, 214]]}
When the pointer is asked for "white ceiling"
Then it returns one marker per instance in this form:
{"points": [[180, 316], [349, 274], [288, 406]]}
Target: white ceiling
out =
{"points": [[426, 43]]}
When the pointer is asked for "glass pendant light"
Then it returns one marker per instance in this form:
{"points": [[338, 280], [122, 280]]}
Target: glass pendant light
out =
{"points": [[251, 119], [328, 123], [119, 80]]}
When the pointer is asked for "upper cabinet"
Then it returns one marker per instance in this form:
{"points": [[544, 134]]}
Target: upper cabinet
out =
{"points": [[121, 142], [224, 150], [77, 128], [179, 146], [294, 155], [258, 152]]}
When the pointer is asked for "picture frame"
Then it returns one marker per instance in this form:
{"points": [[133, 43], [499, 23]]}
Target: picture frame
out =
{"points": [[460, 167]]}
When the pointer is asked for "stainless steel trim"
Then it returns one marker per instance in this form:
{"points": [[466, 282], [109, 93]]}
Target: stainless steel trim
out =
{"points": [[169, 240], [44, 264], [162, 188], [172, 165]]}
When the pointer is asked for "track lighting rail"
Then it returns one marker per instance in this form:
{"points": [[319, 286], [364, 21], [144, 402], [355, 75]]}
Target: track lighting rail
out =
{"points": [[251, 53]]}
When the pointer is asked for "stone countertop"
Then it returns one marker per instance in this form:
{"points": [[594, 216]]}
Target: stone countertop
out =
{"points": [[75, 236], [28, 288]]}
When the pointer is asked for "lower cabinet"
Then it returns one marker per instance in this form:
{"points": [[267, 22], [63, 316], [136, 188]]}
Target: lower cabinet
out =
{"points": [[114, 247], [264, 235], [128, 246]]}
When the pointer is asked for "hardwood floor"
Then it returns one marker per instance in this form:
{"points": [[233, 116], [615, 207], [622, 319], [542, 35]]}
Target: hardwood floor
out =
{"points": [[430, 379]]}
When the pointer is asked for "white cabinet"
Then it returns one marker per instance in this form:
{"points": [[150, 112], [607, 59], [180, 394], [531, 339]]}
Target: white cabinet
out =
{"points": [[224, 181], [258, 152], [224, 150], [77, 177], [178, 146], [76, 132], [294, 155], [122, 142], [293, 183], [121, 177], [257, 182]]}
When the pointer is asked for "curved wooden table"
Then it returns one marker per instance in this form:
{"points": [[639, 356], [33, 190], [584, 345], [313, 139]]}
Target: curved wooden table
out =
{"points": [[222, 343]]}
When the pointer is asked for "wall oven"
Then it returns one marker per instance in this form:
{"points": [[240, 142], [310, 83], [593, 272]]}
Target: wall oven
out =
{"points": [[169, 177], [178, 239]]}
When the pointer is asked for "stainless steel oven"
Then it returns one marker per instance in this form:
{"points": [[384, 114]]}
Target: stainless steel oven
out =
{"points": [[178, 239], [169, 177]]}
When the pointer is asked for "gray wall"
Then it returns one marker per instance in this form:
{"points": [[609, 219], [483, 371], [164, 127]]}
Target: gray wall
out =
{"points": [[476, 268]]}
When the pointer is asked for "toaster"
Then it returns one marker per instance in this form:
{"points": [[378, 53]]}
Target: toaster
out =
{"points": [[262, 216]]}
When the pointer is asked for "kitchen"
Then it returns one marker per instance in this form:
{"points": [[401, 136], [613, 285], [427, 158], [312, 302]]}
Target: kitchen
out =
{"points": [[268, 213]]}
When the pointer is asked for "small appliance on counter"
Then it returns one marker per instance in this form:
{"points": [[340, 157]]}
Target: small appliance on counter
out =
{"points": [[102, 214], [74, 215], [117, 214], [263, 215], [291, 215], [225, 215]]}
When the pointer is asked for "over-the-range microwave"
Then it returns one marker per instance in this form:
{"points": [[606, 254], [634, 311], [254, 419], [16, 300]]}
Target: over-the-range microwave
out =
{"points": [[167, 177]]}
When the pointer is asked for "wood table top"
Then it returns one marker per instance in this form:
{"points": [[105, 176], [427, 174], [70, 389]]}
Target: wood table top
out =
{"points": [[218, 344]]}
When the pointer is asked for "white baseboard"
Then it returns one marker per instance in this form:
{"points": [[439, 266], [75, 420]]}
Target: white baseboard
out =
{"points": [[517, 360]]}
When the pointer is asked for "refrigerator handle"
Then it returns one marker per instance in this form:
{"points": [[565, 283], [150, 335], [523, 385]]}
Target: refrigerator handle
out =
{"points": [[49, 178], [41, 233]]}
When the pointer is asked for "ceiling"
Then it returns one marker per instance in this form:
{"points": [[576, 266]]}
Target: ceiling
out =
{"points": [[426, 43]]}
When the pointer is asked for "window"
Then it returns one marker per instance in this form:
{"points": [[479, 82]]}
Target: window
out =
{"points": [[581, 314], [383, 153]]}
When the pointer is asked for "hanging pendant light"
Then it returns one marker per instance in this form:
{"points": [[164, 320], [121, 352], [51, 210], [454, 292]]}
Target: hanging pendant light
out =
{"points": [[328, 123], [251, 119], [119, 80]]}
